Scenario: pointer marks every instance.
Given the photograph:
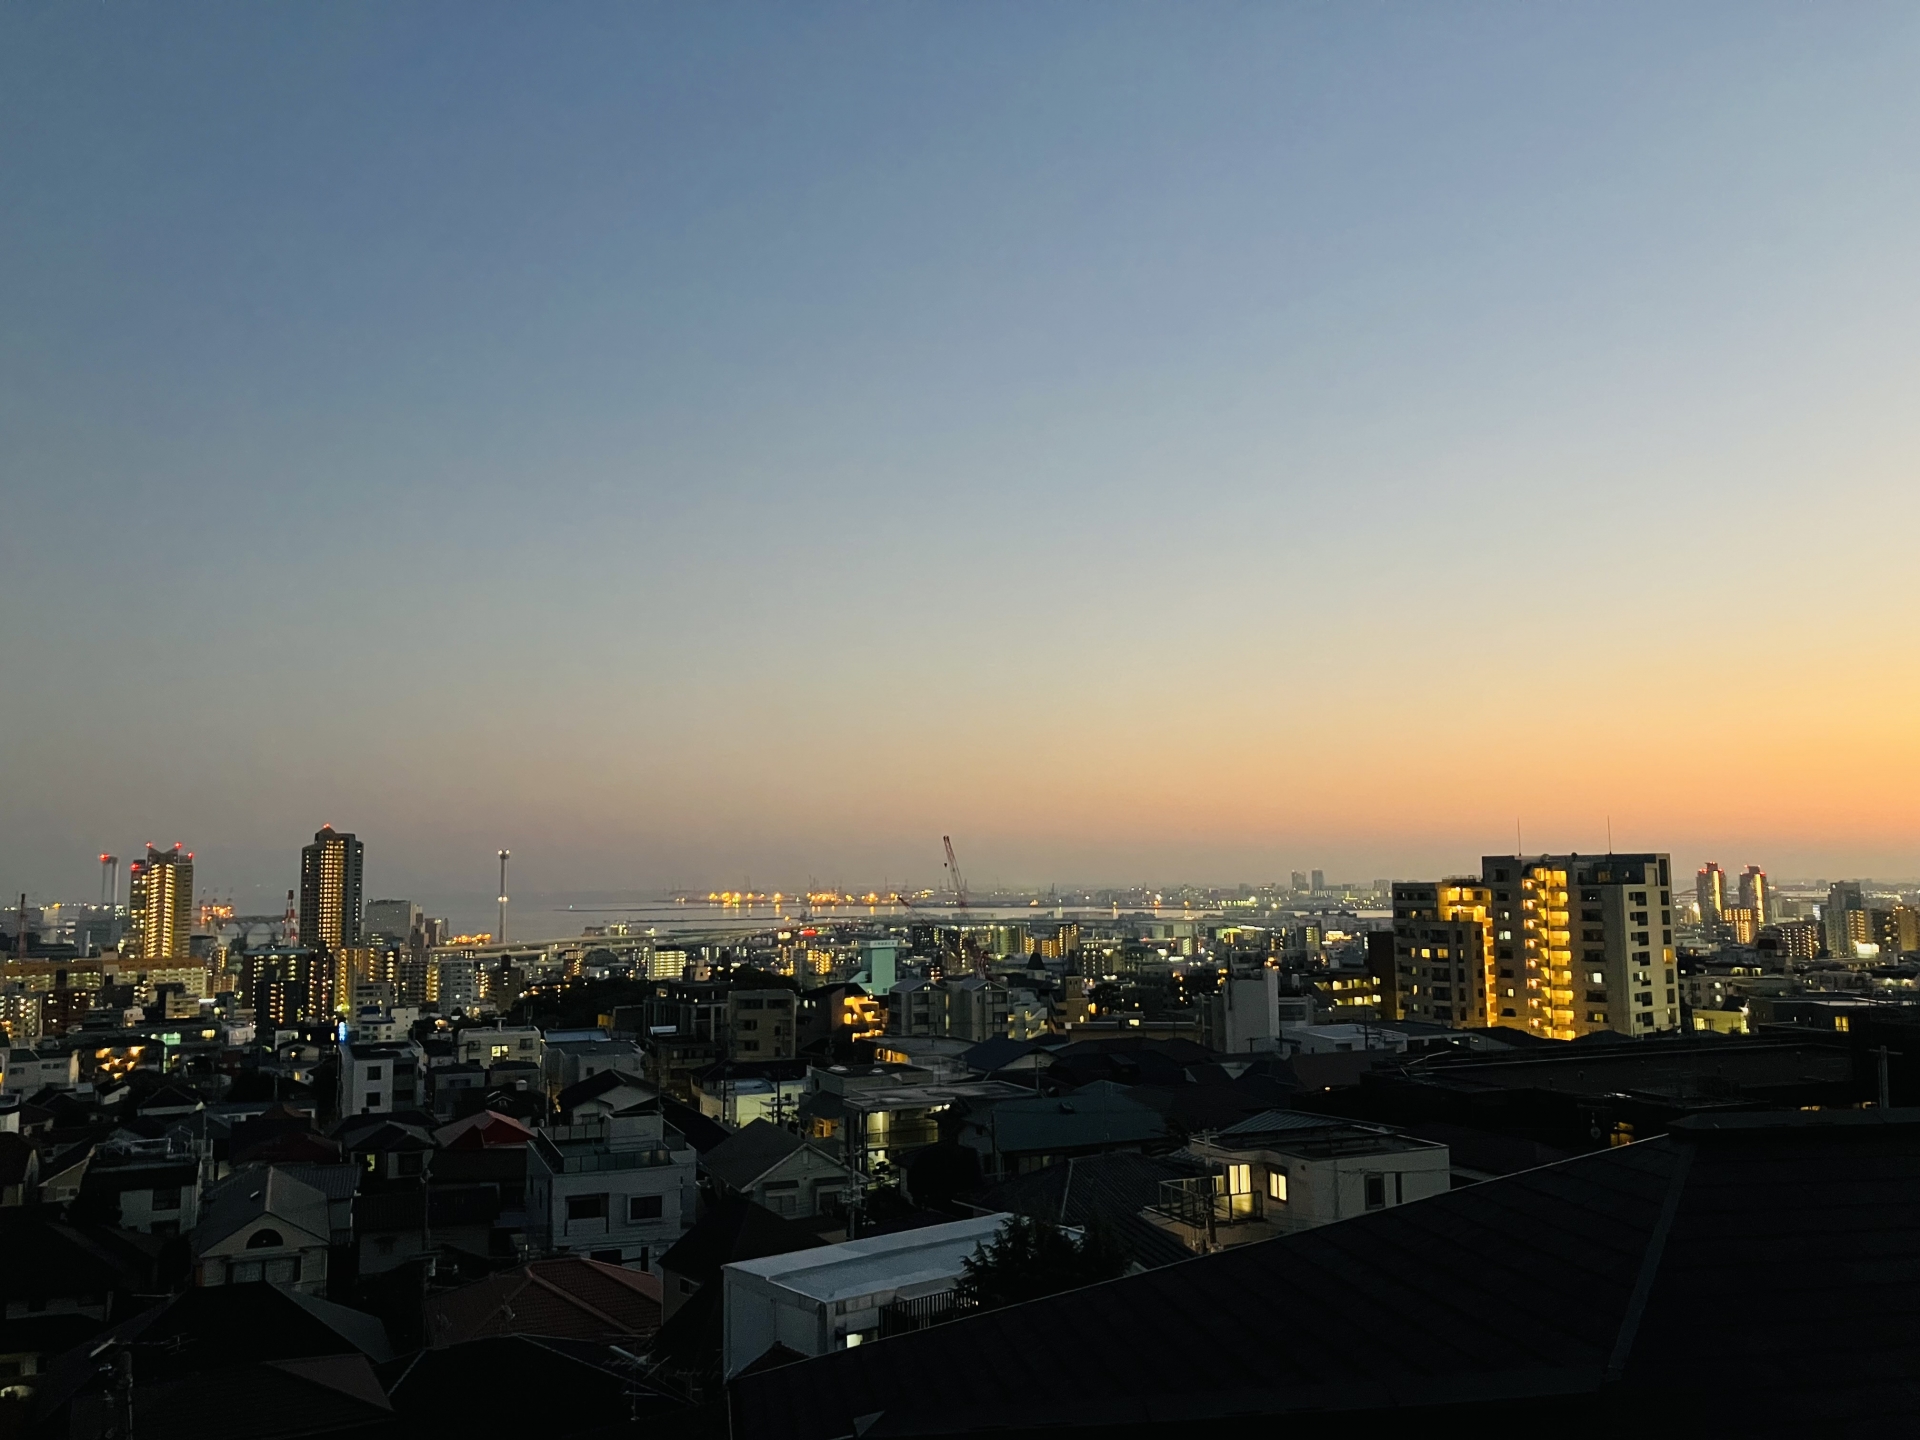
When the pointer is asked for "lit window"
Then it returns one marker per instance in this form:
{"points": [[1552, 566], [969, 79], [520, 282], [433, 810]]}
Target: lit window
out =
{"points": [[1277, 1186], [1239, 1179]]}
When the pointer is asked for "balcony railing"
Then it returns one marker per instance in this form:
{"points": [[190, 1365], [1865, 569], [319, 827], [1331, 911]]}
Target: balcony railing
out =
{"points": [[1202, 1202], [902, 1317]]}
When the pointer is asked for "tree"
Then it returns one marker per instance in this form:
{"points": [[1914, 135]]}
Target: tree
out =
{"points": [[1029, 1258]]}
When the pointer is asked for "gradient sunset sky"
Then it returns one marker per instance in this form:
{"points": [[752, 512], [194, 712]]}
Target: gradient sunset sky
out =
{"points": [[688, 444]]}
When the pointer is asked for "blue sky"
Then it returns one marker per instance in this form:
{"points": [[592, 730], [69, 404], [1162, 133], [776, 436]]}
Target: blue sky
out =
{"points": [[687, 442]]}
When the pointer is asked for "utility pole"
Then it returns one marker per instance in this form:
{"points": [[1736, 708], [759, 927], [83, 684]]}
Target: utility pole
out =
{"points": [[1886, 1087]]}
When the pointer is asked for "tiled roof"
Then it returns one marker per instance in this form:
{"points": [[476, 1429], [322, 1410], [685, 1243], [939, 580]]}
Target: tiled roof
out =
{"points": [[1095, 1115], [734, 1229], [743, 1158], [569, 1298]]}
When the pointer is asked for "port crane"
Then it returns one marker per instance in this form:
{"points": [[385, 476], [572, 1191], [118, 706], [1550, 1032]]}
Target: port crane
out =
{"points": [[954, 877]]}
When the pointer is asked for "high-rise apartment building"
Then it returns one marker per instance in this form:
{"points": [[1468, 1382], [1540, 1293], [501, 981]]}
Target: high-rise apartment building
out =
{"points": [[1740, 923], [160, 907], [1796, 939], [330, 871], [1754, 894], [1297, 882], [1710, 888], [1844, 920], [1319, 881], [1896, 930], [1583, 943], [1443, 954]]}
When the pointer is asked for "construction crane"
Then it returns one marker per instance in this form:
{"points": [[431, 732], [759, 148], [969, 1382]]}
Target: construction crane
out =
{"points": [[954, 877]]}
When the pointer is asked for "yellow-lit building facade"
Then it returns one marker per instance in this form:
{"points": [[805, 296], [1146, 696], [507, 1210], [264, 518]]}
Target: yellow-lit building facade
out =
{"points": [[1443, 952], [161, 905], [1583, 944]]}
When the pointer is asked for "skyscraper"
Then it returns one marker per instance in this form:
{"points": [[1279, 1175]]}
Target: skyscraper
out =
{"points": [[1710, 886], [330, 870], [1754, 895], [1319, 881], [160, 905]]}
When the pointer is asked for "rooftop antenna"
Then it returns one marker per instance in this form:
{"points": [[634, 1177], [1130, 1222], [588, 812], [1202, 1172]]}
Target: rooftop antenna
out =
{"points": [[501, 938]]}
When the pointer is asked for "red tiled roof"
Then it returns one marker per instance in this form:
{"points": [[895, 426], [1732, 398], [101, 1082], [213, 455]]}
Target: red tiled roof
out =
{"points": [[569, 1298]]}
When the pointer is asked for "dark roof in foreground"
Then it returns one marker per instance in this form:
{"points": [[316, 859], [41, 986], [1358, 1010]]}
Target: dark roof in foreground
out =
{"points": [[1753, 1273]]}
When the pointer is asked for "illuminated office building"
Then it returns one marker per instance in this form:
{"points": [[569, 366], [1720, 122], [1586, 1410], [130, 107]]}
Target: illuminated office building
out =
{"points": [[160, 907]]}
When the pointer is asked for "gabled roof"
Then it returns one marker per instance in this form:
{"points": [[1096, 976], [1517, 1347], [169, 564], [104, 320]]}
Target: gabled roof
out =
{"points": [[484, 1130], [252, 1195], [594, 1086], [702, 1132], [169, 1099], [744, 1158], [1646, 1279], [991, 1055], [287, 1145], [570, 1298], [733, 1229], [386, 1137]]}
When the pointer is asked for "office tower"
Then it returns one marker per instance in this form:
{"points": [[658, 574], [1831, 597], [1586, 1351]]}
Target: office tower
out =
{"points": [[1319, 881], [1754, 894], [1443, 954], [160, 905], [1839, 929], [392, 920], [330, 870], [1584, 944], [1710, 885], [1299, 882]]}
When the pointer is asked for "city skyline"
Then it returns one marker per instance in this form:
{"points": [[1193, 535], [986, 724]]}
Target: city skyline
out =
{"points": [[1146, 447]]}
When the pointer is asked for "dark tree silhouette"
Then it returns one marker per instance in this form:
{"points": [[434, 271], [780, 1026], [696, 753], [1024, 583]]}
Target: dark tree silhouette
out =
{"points": [[1029, 1258]]}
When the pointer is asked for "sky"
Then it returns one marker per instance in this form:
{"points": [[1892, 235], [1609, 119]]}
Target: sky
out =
{"points": [[718, 445]]}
